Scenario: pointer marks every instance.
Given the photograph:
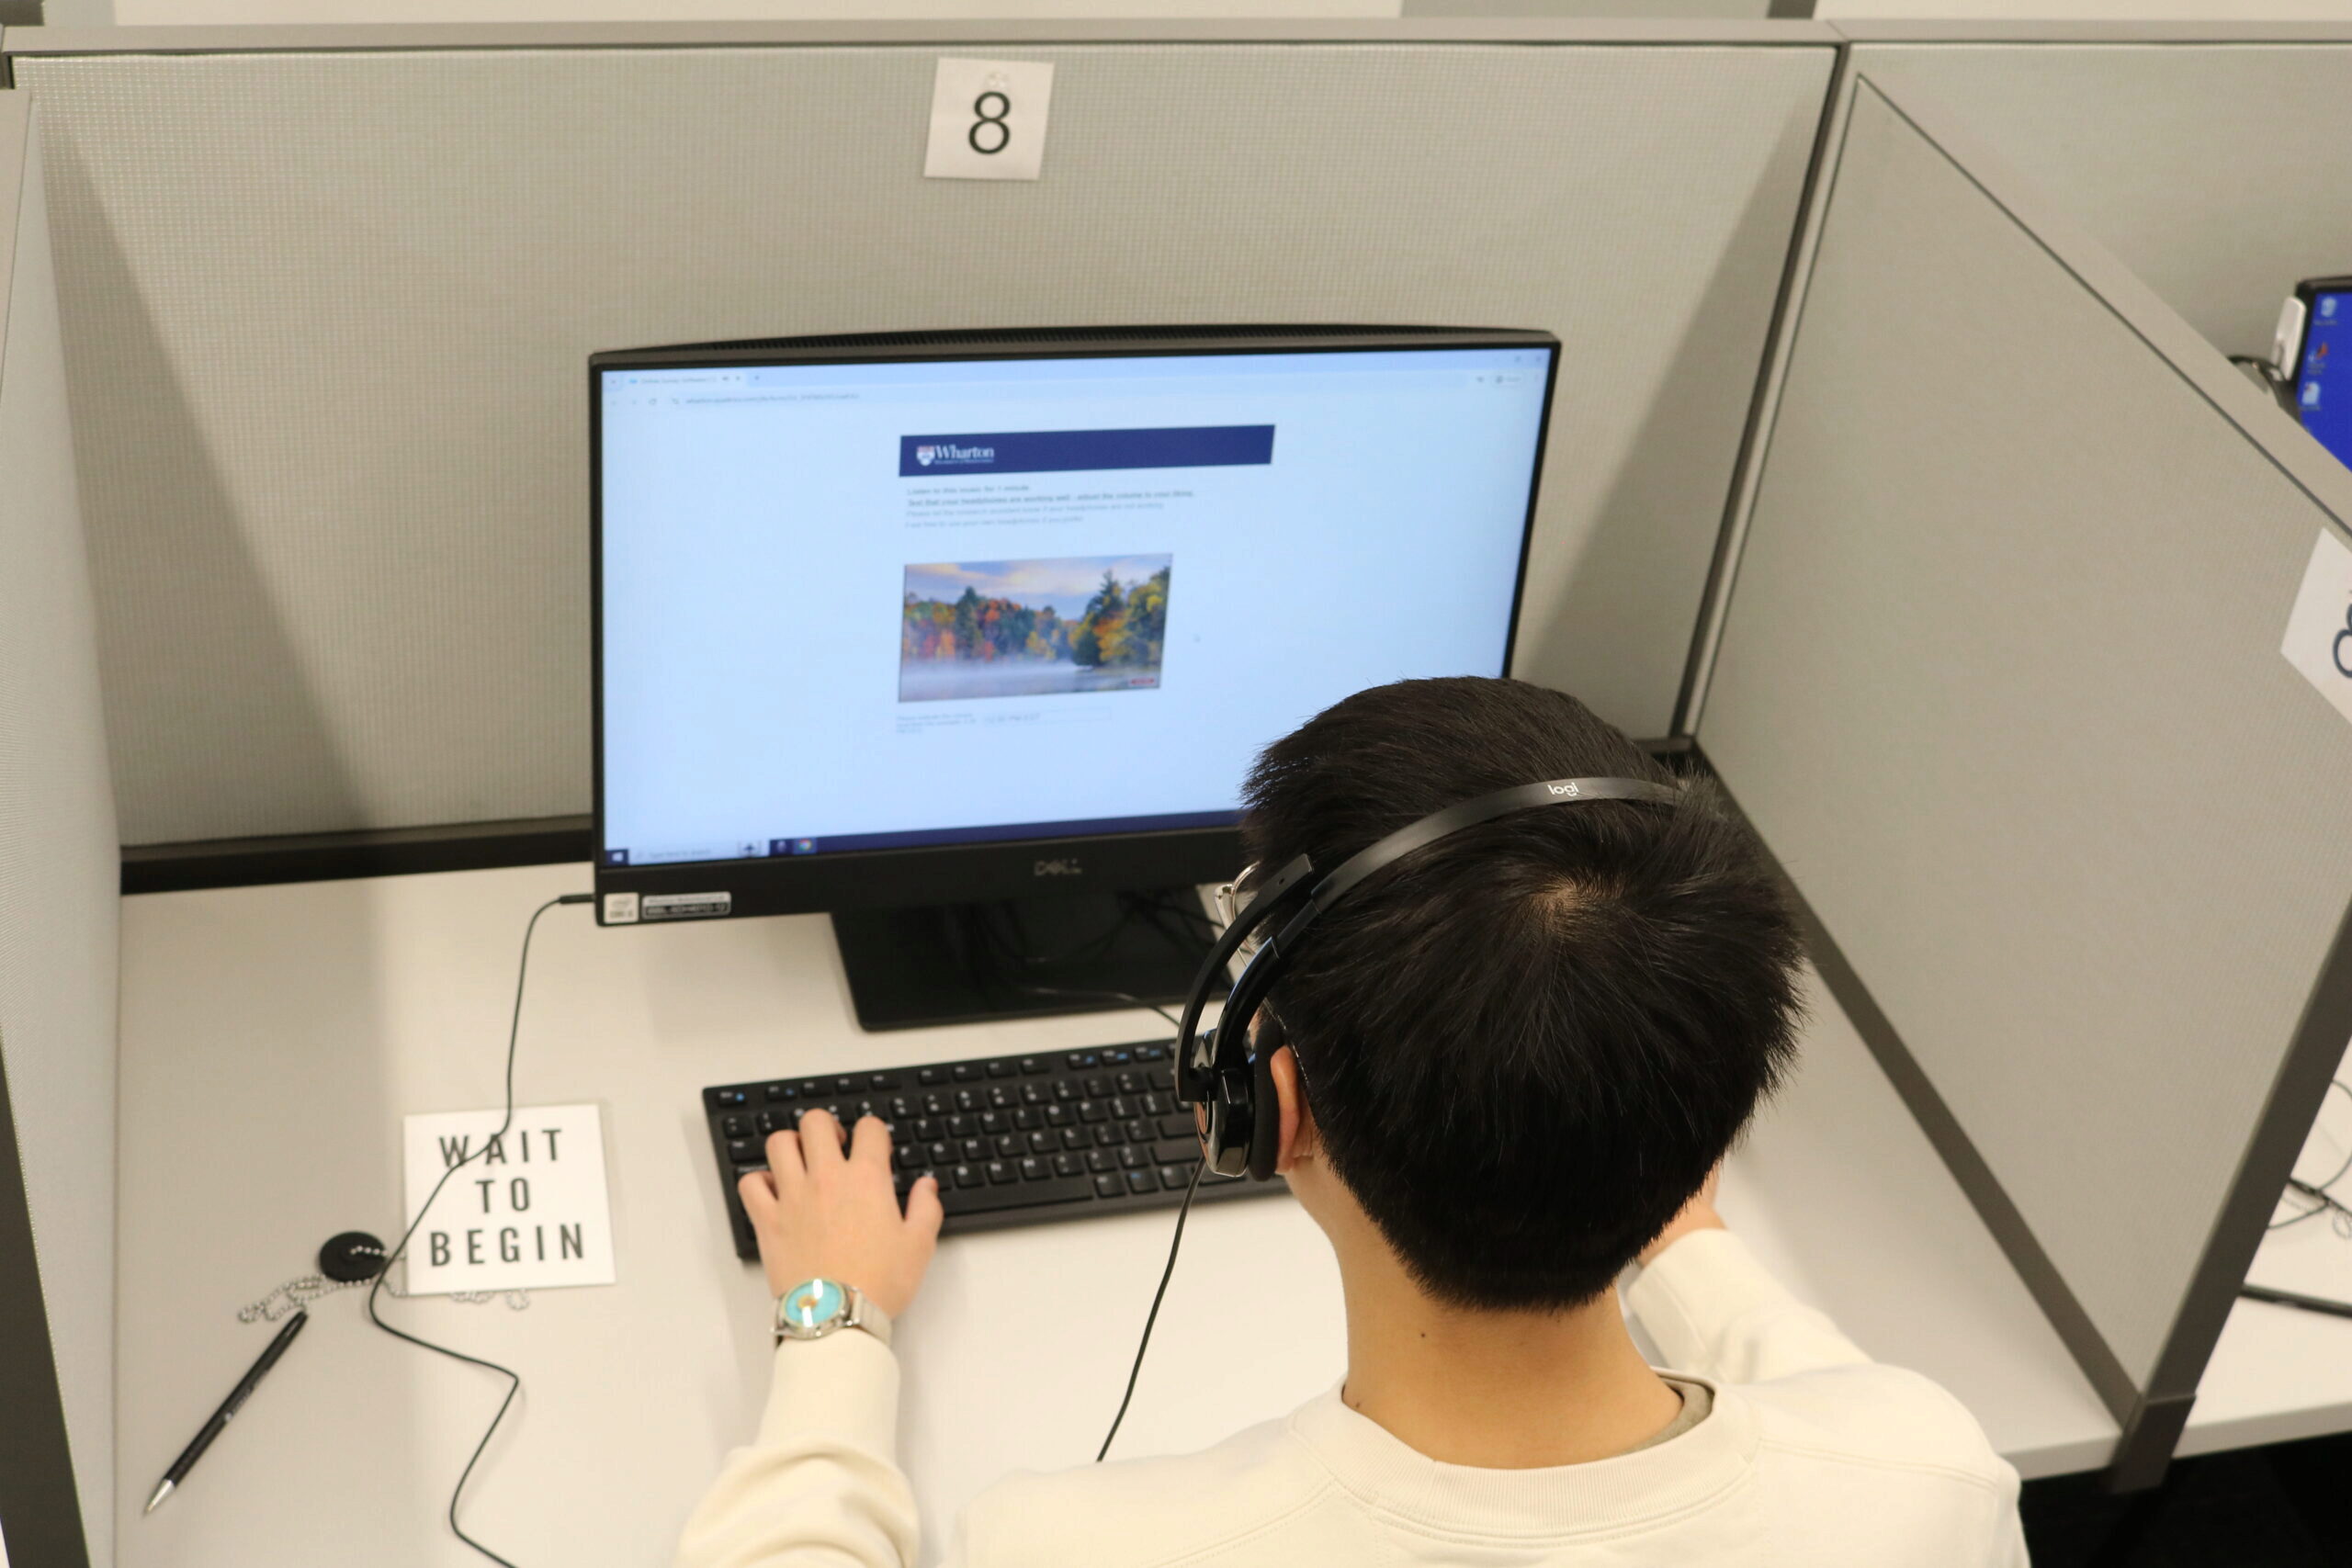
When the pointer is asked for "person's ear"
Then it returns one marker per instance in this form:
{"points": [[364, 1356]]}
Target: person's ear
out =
{"points": [[1297, 1141]]}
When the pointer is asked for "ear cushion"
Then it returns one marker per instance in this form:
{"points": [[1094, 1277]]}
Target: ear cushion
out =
{"points": [[1266, 1125]]}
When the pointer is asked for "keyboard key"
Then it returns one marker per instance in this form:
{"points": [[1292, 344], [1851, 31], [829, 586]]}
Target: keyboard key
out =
{"points": [[966, 1099], [941, 1153], [1034, 1094], [1042, 1142], [1027, 1119], [1099, 1087], [1058, 1116], [730, 1097], [1163, 1077], [1008, 1145], [1177, 1151], [736, 1126], [1000, 1068], [1034, 1169], [929, 1127], [965, 1072], [1134, 1159], [1109, 1135], [1034, 1065], [770, 1121], [934, 1105], [1108, 1187], [1140, 1130], [932, 1074], [1077, 1138], [902, 1108], [906, 1156], [1151, 1053], [882, 1081], [1064, 1089], [743, 1150], [1067, 1165], [1001, 1096], [809, 1088], [960, 1125], [1117, 1057], [974, 1150], [1080, 1061], [1157, 1104], [967, 1175], [1130, 1083], [1091, 1111], [993, 1122], [1140, 1181], [1179, 1127], [1174, 1178], [1122, 1108], [780, 1092], [1000, 1172], [1099, 1160]]}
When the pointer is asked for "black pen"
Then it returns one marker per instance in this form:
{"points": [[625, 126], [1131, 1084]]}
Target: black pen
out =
{"points": [[2289, 1298], [228, 1407]]}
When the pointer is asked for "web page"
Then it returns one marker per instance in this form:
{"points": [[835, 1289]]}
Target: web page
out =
{"points": [[862, 606]]}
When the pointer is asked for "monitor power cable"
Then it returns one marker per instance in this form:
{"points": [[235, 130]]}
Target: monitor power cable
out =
{"points": [[378, 1287]]}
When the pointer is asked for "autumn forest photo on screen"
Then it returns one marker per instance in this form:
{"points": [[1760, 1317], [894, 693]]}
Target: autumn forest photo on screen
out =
{"points": [[1025, 629]]}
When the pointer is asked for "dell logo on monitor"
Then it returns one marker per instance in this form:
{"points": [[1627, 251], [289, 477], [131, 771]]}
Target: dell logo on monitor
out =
{"points": [[1059, 868]]}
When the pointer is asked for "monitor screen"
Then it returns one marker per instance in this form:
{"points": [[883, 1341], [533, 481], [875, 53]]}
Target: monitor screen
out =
{"points": [[849, 606], [2322, 398]]}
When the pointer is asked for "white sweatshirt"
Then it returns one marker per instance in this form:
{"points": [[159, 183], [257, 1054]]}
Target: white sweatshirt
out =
{"points": [[1811, 1456]]}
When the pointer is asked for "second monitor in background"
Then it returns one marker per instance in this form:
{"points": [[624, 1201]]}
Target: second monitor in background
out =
{"points": [[969, 638]]}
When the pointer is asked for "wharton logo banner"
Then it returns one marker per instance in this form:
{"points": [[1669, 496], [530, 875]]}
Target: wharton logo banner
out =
{"points": [[1072, 451]]}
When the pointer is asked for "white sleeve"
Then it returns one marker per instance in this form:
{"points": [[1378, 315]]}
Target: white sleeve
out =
{"points": [[821, 1484], [1716, 1312]]}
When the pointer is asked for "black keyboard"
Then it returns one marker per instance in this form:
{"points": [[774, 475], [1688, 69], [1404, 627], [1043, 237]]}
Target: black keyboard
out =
{"points": [[1013, 1140]]}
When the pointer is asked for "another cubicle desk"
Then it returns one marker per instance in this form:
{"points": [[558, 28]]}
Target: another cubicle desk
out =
{"points": [[273, 1037]]}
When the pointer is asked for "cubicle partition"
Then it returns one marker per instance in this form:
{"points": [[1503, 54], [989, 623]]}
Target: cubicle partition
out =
{"points": [[2202, 156], [58, 871], [329, 293], [2001, 685]]}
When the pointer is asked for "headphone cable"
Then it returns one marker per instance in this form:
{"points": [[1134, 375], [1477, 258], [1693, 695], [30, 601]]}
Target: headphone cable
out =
{"points": [[1182, 1211]]}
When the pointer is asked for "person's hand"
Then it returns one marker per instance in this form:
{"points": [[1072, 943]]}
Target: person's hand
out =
{"points": [[822, 1213], [1699, 1214]]}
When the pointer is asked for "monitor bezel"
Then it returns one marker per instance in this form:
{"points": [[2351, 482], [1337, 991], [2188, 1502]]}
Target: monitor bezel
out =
{"points": [[1007, 868]]}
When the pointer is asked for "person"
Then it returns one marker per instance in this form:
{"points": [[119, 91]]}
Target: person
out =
{"points": [[1513, 1063]]}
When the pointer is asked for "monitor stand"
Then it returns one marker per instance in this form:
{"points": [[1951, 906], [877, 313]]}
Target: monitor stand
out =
{"points": [[1021, 957]]}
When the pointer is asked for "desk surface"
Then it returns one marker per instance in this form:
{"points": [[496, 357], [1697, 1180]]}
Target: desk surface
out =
{"points": [[273, 1037]]}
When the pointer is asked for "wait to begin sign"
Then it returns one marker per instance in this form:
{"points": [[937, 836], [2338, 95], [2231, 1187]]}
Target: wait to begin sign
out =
{"points": [[523, 1212]]}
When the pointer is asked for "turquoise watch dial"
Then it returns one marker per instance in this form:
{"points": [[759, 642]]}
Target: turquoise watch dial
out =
{"points": [[813, 1304]]}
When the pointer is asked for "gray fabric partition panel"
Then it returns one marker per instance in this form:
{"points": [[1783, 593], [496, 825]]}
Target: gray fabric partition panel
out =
{"points": [[326, 314], [2000, 684], [2203, 163], [57, 872]]}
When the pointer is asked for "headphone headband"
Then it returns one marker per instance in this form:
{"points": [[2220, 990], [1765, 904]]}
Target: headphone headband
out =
{"points": [[1218, 1068]]}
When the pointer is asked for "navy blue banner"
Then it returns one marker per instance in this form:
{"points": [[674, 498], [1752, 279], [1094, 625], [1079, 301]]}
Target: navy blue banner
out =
{"points": [[1071, 451]]}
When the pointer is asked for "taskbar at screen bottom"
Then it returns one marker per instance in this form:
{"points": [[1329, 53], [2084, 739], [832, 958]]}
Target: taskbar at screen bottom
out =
{"points": [[924, 837]]}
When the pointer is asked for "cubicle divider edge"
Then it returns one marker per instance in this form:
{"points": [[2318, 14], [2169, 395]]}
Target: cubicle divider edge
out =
{"points": [[2153, 1416]]}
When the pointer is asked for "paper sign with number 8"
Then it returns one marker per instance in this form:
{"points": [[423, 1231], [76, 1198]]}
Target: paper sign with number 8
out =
{"points": [[989, 124]]}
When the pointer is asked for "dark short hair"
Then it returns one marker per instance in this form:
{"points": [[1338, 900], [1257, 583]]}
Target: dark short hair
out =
{"points": [[1524, 1045]]}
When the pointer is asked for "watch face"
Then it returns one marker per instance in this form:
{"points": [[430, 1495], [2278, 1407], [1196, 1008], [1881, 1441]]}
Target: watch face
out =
{"points": [[812, 1304]]}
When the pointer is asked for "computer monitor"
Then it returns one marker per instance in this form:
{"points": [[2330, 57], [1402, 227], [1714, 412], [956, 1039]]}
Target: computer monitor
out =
{"points": [[920, 623], [2317, 317]]}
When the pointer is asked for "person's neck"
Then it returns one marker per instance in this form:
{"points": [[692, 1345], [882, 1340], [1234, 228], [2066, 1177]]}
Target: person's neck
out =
{"points": [[1494, 1390]]}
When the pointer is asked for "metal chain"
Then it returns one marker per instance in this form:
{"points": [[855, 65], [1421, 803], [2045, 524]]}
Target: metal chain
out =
{"points": [[304, 1289]]}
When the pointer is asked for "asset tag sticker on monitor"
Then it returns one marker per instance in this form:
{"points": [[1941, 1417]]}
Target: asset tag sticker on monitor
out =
{"points": [[2319, 629], [525, 1211]]}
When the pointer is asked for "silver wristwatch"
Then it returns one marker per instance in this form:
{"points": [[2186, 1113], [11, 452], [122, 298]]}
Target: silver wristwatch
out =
{"points": [[814, 1308]]}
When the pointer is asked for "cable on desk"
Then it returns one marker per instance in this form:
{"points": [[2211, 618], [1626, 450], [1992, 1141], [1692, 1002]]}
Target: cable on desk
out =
{"points": [[2317, 1194], [1151, 1317], [400, 1250]]}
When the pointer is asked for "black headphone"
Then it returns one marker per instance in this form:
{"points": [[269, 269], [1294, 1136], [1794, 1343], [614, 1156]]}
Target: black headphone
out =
{"points": [[1224, 1069]]}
